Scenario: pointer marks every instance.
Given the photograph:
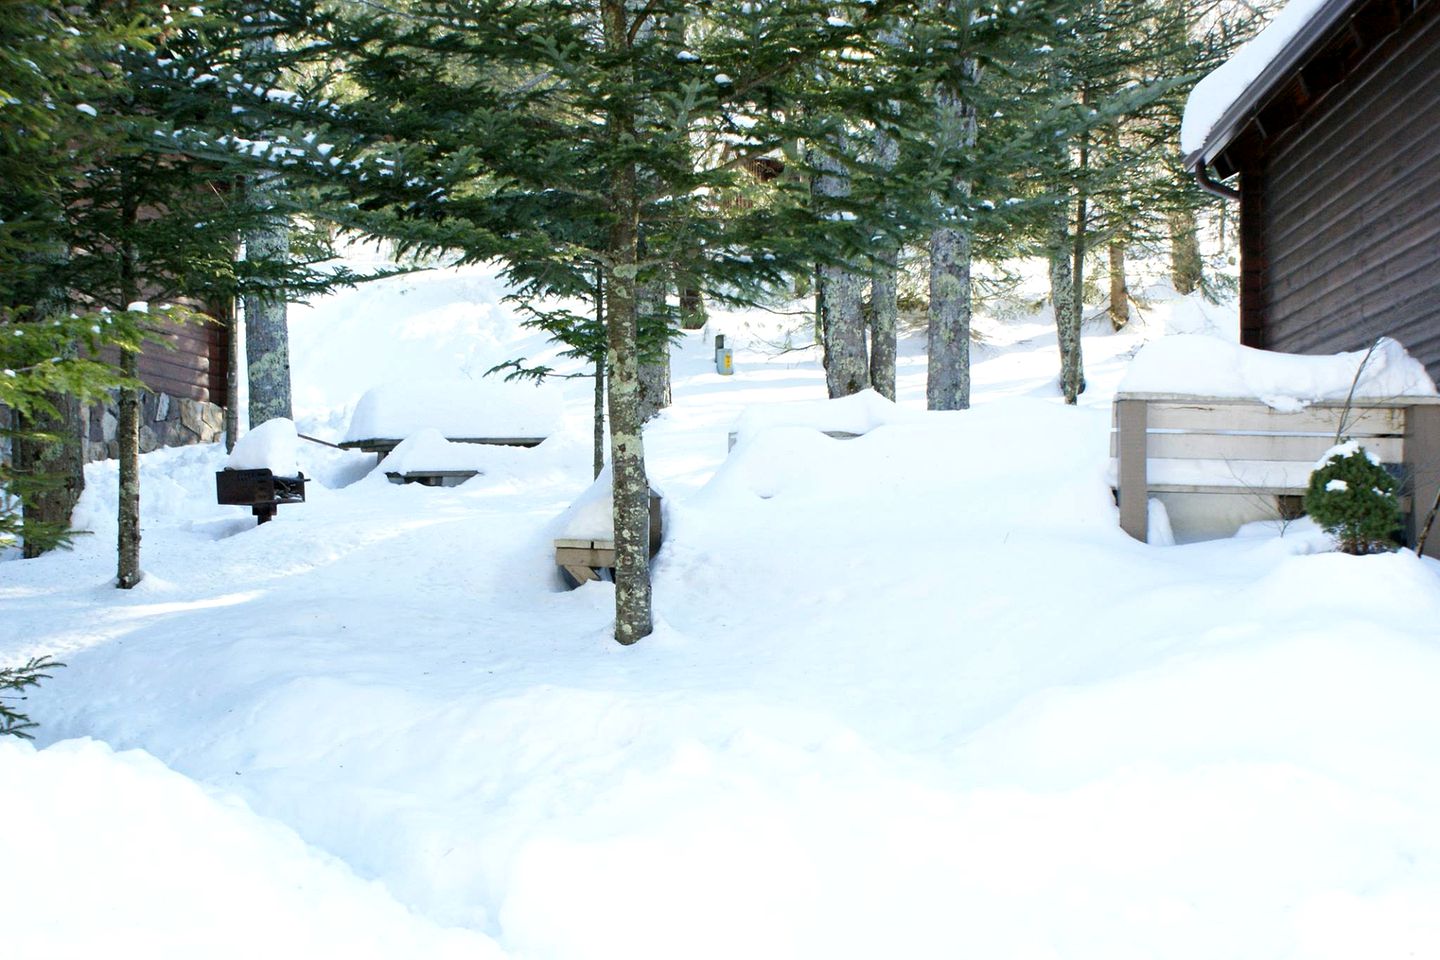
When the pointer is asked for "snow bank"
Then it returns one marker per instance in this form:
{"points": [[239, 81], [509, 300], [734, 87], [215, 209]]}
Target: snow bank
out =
{"points": [[457, 408], [1205, 366], [121, 856], [1217, 92], [272, 446], [429, 450], [858, 413], [592, 515]]}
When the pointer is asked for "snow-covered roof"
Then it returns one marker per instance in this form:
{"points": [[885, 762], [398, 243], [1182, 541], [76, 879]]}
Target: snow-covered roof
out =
{"points": [[1222, 100]]}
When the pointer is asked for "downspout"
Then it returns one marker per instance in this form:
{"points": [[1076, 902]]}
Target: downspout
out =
{"points": [[1202, 177]]}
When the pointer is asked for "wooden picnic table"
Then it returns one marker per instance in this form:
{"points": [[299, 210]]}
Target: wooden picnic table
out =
{"points": [[383, 445]]}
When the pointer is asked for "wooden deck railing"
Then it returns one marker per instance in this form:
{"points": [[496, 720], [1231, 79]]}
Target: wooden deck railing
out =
{"points": [[1171, 443]]}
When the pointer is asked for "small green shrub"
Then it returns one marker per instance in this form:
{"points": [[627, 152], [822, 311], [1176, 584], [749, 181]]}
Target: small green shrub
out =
{"points": [[1352, 497]]}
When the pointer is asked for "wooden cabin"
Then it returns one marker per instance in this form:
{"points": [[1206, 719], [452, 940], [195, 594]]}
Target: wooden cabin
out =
{"points": [[1336, 144], [186, 369]]}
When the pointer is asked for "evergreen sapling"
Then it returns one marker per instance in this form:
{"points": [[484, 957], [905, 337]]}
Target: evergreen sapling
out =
{"points": [[1352, 497]]}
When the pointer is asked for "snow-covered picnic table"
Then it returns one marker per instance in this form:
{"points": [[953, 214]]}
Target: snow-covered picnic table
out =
{"points": [[423, 428]]}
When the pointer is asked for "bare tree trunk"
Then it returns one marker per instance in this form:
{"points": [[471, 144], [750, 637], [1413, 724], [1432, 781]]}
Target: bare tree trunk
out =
{"points": [[1186, 268], [127, 432], [654, 374], [633, 618], [232, 380], [599, 448], [1080, 239], [127, 435], [884, 307], [947, 382], [267, 337], [1067, 317], [48, 448], [1119, 291], [839, 302]]}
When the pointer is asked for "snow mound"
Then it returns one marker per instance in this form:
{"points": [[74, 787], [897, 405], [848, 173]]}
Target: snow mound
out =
{"points": [[273, 446], [858, 413], [429, 450], [1205, 366], [592, 515], [122, 856], [457, 408]]}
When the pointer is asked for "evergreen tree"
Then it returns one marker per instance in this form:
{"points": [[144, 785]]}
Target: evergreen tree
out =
{"points": [[554, 135]]}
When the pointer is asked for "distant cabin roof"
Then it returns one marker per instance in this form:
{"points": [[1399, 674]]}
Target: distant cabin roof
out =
{"points": [[1221, 102]]}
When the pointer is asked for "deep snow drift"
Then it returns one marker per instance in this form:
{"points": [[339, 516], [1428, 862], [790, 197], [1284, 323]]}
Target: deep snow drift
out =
{"points": [[912, 694]]}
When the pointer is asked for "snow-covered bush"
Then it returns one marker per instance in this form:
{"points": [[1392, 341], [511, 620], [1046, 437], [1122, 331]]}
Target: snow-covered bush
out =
{"points": [[1352, 497]]}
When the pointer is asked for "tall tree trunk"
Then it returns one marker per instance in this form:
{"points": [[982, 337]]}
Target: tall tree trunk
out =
{"points": [[1067, 316], [947, 382], [1081, 239], [599, 419], [884, 289], [232, 379], [633, 618], [654, 373], [48, 447], [1119, 291], [127, 433], [839, 298], [1185, 263], [49, 453], [267, 337]]}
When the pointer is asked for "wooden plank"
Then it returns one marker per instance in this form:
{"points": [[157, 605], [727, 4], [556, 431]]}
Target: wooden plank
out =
{"points": [[565, 556], [386, 444], [1422, 461], [1209, 417], [1134, 492], [581, 574], [1255, 446], [584, 544]]}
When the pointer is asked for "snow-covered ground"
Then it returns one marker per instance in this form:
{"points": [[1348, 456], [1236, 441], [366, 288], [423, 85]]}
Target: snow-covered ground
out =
{"points": [[911, 695]]}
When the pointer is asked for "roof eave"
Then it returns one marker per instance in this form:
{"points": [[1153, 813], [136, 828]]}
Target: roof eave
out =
{"points": [[1289, 60]]}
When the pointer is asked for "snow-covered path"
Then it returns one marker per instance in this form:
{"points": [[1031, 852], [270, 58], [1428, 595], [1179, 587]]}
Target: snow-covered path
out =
{"points": [[912, 695]]}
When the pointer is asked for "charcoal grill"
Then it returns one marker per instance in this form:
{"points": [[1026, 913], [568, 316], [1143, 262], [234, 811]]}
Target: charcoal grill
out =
{"points": [[260, 490]]}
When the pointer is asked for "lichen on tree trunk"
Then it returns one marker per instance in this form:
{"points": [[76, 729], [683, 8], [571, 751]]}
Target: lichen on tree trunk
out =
{"points": [[947, 382], [884, 289], [631, 487], [127, 435], [1067, 314], [1119, 291], [47, 445], [654, 374], [839, 291], [267, 337]]}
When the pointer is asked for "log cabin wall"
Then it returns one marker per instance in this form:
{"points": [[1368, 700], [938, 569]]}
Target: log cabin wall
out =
{"points": [[184, 369], [1349, 205]]}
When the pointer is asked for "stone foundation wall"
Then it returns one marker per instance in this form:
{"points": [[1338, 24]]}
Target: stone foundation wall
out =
{"points": [[165, 421]]}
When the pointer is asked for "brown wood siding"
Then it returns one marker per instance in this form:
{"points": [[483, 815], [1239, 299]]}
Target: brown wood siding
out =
{"points": [[186, 361], [1351, 208]]}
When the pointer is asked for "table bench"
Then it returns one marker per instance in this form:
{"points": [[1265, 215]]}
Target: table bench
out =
{"points": [[585, 559], [1180, 444]]}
